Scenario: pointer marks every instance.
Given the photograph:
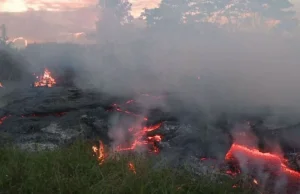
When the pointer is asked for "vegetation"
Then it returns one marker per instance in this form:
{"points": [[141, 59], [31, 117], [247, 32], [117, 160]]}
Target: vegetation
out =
{"points": [[76, 170], [234, 15]]}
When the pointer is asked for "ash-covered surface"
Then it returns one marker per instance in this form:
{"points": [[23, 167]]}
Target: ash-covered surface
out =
{"points": [[52, 116]]}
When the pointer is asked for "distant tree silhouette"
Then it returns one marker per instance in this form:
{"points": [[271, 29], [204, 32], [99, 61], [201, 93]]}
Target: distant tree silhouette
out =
{"points": [[4, 38], [169, 12], [119, 9], [277, 11], [234, 12], [113, 15]]}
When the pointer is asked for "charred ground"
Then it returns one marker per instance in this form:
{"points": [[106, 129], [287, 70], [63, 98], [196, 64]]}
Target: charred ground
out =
{"points": [[35, 118]]}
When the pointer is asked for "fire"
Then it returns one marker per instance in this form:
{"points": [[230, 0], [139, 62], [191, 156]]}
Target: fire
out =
{"points": [[46, 80], [140, 139], [255, 181], [131, 167], [140, 136], [1, 86], [99, 152], [255, 161]]}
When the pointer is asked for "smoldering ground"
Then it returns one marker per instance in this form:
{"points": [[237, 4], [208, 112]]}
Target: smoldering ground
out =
{"points": [[206, 74], [209, 78]]}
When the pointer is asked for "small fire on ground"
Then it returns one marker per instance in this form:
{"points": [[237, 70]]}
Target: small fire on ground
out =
{"points": [[140, 137], [45, 80]]}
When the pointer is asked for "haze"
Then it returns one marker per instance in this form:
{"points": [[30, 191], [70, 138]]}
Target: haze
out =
{"points": [[215, 67]]}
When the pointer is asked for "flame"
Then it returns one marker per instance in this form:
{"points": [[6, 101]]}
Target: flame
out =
{"points": [[255, 181], [99, 152], [255, 160], [1, 86], [45, 80], [131, 167]]}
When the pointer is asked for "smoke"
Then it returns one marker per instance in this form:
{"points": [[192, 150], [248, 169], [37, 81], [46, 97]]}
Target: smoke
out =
{"points": [[204, 69], [222, 70]]}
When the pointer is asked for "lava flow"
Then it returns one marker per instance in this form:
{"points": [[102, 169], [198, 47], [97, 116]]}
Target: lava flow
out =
{"points": [[117, 108], [141, 139], [243, 157], [46, 80]]}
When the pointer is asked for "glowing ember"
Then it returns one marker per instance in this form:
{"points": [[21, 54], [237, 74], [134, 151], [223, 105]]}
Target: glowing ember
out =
{"points": [[46, 80], [255, 181], [129, 101], [99, 152], [2, 119], [141, 139], [117, 108], [131, 167], [255, 162]]}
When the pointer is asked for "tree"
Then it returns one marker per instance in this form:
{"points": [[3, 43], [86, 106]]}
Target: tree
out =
{"points": [[114, 14], [4, 38], [276, 12], [235, 13], [169, 12], [119, 10]]}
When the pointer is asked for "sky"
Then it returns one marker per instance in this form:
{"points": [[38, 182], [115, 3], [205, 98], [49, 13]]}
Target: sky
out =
{"points": [[59, 5], [26, 17], [52, 20]]}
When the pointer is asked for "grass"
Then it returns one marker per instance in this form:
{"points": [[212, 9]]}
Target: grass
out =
{"points": [[76, 170]]}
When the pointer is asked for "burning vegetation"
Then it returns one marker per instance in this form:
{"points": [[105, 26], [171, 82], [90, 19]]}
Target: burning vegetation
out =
{"points": [[45, 80]]}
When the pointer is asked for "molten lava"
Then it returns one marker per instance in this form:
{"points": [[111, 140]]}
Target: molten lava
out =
{"points": [[140, 139], [256, 162], [45, 80], [117, 108], [99, 152]]}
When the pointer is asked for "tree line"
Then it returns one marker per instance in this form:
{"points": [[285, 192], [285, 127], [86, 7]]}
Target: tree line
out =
{"points": [[277, 15]]}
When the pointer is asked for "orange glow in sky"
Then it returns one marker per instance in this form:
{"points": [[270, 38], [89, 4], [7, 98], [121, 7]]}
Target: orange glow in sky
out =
{"points": [[63, 5]]}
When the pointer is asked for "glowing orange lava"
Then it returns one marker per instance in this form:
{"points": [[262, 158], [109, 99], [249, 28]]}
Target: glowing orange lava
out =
{"points": [[131, 167], [117, 108], [99, 152], [140, 139], [46, 80], [255, 162]]}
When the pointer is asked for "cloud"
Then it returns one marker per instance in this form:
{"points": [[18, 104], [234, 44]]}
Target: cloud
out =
{"points": [[48, 20], [47, 26]]}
